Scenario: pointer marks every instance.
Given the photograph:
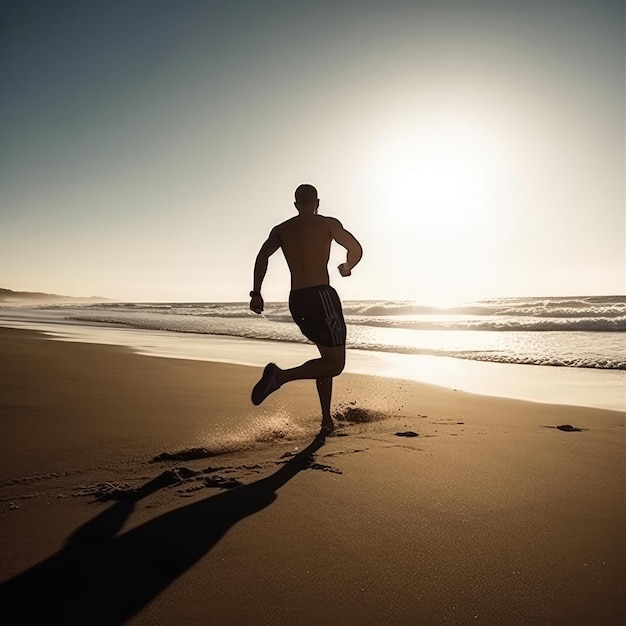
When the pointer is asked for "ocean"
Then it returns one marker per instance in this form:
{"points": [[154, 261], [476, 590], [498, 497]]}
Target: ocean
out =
{"points": [[582, 333], [587, 331]]}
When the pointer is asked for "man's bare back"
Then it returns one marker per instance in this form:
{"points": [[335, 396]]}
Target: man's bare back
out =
{"points": [[305, 241]]}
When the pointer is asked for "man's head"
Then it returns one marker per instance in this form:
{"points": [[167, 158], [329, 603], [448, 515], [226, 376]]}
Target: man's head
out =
{"points": [[306, 199]]}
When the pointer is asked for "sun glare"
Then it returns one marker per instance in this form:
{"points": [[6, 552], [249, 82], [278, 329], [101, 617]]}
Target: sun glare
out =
{"points": [[440, 174], [437, 188]]}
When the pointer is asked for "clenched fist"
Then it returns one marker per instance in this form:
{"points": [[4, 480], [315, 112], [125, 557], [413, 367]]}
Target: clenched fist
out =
{"points": [[344, 270]]}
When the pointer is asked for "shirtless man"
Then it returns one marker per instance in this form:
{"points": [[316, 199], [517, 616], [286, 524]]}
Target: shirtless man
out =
{"points": [[313, 303]]}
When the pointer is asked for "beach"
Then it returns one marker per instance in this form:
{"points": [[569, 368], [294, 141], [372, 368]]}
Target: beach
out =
{"points": [[145, 490]]}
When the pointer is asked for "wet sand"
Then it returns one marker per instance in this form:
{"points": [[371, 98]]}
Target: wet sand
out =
{"points": [[144, 490]]}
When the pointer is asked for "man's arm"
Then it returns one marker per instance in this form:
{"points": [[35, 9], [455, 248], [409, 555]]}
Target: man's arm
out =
{"points": [[350, 243], [272, 243]]}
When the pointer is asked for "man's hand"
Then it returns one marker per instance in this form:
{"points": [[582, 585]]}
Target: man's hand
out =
{"points": [[257, 304], [344, 270]]}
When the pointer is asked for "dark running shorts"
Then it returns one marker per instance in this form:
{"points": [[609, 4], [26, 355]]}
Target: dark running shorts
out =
{"points": [[317, 311]]}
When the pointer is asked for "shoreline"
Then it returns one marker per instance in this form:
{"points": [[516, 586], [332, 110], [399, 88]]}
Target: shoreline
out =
{"points": [[603, 389], [490, 514]]}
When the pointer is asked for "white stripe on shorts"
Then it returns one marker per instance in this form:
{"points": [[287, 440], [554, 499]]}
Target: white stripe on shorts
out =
{"points": [[332, 317]]}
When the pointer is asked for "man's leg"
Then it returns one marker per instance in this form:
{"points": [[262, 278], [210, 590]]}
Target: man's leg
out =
{"points": [[330, 364], [323, 369], [325, 392]]}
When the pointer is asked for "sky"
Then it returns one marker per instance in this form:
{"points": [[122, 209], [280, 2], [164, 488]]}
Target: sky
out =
{"points": [[475, 149]]}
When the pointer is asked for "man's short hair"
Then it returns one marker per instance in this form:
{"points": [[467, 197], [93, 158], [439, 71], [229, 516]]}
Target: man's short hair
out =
{"points": [[306, 193]]}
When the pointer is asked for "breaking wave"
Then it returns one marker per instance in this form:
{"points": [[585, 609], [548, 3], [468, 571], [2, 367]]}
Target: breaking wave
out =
{"points": [[574, 331]]}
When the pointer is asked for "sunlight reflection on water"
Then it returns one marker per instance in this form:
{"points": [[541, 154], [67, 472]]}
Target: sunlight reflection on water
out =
{"points": [[561, 385]]}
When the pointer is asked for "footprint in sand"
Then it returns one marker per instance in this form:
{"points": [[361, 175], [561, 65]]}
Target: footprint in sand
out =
{"points": [[568, 428]]}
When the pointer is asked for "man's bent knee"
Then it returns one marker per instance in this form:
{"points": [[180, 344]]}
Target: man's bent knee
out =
{"points": [[336, 357], [337, 368], [341, 363]]}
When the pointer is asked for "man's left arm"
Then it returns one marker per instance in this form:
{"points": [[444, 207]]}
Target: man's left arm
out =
{"points": [[349, 242], [272, 243]]}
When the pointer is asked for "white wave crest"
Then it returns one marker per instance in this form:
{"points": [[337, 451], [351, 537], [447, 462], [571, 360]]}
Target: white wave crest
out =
{"points": [[595, 324]]}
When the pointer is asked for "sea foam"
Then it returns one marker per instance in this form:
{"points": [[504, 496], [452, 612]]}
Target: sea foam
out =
{"points": [[574, 331]]}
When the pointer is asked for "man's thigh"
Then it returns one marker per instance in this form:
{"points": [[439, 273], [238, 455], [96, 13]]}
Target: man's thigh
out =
{"points": [[336, 354]]}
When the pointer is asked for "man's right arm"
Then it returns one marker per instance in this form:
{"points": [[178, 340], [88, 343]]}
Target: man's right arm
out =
{"points": [[349, 242], [260, 268]]}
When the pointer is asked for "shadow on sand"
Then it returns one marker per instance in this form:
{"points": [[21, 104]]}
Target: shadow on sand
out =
{"points": [[103, 578]]}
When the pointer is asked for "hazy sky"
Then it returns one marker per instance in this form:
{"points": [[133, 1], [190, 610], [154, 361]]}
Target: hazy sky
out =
{"points": [[475, 148]]}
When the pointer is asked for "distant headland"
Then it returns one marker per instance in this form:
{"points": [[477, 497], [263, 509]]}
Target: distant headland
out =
{"points": [[8, 296]]}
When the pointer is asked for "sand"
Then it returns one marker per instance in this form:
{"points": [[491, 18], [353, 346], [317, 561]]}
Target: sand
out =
{"points": [[491, 514]]}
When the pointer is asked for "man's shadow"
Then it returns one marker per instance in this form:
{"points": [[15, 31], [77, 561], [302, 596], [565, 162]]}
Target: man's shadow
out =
{"points": [[101, 578]]}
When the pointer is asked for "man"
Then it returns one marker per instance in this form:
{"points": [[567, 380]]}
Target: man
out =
{"points": [[313, 303]]}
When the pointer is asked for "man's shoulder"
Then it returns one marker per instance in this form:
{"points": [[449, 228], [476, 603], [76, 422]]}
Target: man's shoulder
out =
{"points": [[297, 218], [319, 220], [283, 225], [331, 222], [329, 219]]}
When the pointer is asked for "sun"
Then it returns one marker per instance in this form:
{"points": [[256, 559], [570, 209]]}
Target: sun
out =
{"points": [[439, 174], [437, 187]]}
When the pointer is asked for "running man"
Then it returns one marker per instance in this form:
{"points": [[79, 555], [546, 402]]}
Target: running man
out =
{"points": [[314, 305]]}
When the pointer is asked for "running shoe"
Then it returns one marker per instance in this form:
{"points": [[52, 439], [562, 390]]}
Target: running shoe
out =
{"points": [[267, 385]]}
